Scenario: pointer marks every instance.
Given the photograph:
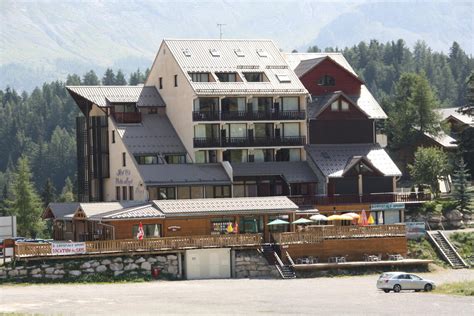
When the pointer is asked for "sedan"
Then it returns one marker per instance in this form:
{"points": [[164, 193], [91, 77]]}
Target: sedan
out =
{"points": [[397, 281]]}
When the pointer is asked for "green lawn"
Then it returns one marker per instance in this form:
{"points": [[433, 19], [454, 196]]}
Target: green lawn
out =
{"points": [[465, 288]]}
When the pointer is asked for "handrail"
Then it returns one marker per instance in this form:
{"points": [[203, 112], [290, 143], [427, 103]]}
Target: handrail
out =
{"points": [[446, 239], [280, 263], [290, 260], [433, 240]]}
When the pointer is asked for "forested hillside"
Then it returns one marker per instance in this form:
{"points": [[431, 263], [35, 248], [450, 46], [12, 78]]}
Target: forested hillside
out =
{"points": [[41, 125]]}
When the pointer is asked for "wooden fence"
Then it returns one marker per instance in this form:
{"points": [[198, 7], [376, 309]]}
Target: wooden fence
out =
{"points": [[148, 244], [316, 234]]}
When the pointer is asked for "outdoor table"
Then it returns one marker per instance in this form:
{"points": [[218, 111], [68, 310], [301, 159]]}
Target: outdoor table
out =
{"points": [[332, 259], [395, 257], [373, 258]]}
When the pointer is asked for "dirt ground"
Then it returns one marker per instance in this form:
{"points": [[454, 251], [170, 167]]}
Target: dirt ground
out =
{"points": [[355, 295]]}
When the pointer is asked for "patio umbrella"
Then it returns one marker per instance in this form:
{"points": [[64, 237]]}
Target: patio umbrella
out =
{"points": [[380, 218], [371, 220], [353, 215], [363, 219], [335, 218], [345, 217], [302, 221], [278, 222], [319, 217], [156, 233]]}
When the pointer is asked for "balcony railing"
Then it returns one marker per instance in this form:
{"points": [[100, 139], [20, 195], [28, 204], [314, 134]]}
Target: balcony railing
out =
{"points": [[248, 115], [127, 117], [203, 142], [387, 197]]}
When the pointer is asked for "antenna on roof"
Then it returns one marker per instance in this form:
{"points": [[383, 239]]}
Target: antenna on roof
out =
{"points": [[220, 25]]}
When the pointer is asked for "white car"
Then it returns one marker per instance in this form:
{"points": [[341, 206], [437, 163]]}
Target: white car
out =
{"points": [[397, 281]]}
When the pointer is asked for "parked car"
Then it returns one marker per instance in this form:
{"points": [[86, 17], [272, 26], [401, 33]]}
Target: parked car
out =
{"points": [[397, 281]]}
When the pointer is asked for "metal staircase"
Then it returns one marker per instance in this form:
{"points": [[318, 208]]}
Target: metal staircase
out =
{"points": [[286, 271], [447, 250]]}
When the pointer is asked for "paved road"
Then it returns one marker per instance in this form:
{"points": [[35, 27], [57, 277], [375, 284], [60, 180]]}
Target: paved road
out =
{"points": [[342, 295]]}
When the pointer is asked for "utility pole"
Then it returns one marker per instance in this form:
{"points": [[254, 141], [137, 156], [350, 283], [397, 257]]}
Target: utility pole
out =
{"points": [[220, 25]]}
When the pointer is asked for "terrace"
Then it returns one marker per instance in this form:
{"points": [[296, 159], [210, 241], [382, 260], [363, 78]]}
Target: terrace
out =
{"points": [[211, 142], [384, 197], [281, 115]]}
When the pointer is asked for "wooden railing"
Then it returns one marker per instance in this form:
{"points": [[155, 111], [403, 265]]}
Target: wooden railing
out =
{"points": [[387, 197], [151, 244], [317, 234]]}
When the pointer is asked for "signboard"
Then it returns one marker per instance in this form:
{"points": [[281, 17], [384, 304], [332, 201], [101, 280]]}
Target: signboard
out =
{"points": [[174, 228], [415, 230], [387, 206], [68, 248]]}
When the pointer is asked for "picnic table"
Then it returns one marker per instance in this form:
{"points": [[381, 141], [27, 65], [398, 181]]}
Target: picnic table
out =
{"points": [[395, 257], [337, 259], [371, 258]]}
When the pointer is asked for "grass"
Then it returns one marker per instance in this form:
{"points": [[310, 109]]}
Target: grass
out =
{"points": [[422, 249], [464, 243], [465, 288]]}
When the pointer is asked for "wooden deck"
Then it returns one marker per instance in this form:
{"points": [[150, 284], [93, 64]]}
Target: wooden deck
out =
{"points": [[359, 264], [25, 250]]}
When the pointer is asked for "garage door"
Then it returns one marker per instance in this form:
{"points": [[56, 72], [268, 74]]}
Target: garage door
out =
{"points": [[207, 263]]}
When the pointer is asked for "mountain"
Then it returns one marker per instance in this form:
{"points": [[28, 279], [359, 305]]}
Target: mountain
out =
{"points": [[46, 40]]}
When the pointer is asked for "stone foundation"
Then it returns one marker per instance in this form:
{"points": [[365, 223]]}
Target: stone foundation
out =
{"points": [[252, 264], [88, 268]]}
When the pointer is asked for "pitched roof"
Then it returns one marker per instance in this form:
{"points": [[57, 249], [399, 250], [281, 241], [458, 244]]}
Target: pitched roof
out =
{"points": [[104, 95], [235, 56], [94, 209], [61, 210], [147, 210], [292, 171], [155, 134], [294, 59], [453, 112], [443, 139], [175, 174], [333, 159], [305, 65], [247, 205]]}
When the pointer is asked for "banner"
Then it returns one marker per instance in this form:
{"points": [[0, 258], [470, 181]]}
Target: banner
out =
{"points": [[68, 248], [415, 230], [387, 206]]}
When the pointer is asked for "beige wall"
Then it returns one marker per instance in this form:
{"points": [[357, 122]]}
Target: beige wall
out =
{"points": [[179, 100], [119, 175]]}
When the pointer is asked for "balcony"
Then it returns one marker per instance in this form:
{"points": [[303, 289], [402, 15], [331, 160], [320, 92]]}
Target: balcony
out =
{"points": [[387, 197], [203, 142], [127, 117], [248, 115]]}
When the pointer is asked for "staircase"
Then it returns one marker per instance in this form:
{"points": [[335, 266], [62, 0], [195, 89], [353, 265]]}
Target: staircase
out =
{"points": [[286, 271], [447, 250]]}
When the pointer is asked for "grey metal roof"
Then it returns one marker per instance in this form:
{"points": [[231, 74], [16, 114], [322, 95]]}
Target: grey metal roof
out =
{"points": [[155, 134], [200, 59], [294, 59], [443, 139], [97, 208], [103, 95], [453, 112], [179, 174], [142, 211], [305, 65], [63, 210], [292, 171], [332, 159], [198, 207]]}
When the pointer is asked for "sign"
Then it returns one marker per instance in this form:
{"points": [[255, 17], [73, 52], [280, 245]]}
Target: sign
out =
{"points": [[415, 230], [174, 228], [387, 206], [68, 248]]}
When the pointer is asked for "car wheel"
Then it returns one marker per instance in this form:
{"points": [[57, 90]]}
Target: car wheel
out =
{"points": [[386, 291], [397, 288], [428, 287]]}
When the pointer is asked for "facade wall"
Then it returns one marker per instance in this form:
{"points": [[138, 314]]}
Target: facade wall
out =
{"points": [[353, 248], [341, 131], [122, 176], [344, 80]]}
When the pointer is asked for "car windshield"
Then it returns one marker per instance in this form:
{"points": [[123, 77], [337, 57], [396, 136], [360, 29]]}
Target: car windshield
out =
{"points": [[415, 277]]}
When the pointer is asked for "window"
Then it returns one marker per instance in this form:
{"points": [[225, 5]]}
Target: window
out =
{"points": [[175, 159], [235, 155], [344, 106], [147, 159], [117, 193], [153, 110], [149, 230], [124, 193], [239, 52], [197, 192], [219, 226], [161, 82], [340, 105], [217, 191], [254, 76], [166, 193], [233, 104], [124, 108], [130, 193], [200, 76], [113, 137], [262, 53], [206, 104], [291, 129], [200, 156], [283, 78], [215, 52], [227, 76], [175, 80], [335, 106], [290, 103], [326, 80], [124, 160]]}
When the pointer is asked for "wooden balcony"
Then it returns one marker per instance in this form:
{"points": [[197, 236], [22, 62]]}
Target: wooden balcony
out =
{"points": [[148, 244], [387, 197], [210, 142], [317, 234], [127, 117], [248, 115]]}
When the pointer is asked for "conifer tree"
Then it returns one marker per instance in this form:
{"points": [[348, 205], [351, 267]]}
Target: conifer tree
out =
{"points": [[109, 78], [461, 185], [67, 193], [49, 192], [25, 204], [90, 79], [120, 79]]}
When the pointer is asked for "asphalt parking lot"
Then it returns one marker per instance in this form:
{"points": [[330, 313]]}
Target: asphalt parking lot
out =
{"points": [[342, 295]]}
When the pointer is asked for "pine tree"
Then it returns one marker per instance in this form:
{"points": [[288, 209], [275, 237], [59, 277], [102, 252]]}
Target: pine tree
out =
{"points": [[120, 79], [67, 193], [461, 185], [109, 78], [49, 192], [136, 77], [26, 204], [90, 79], [73, 80]]}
